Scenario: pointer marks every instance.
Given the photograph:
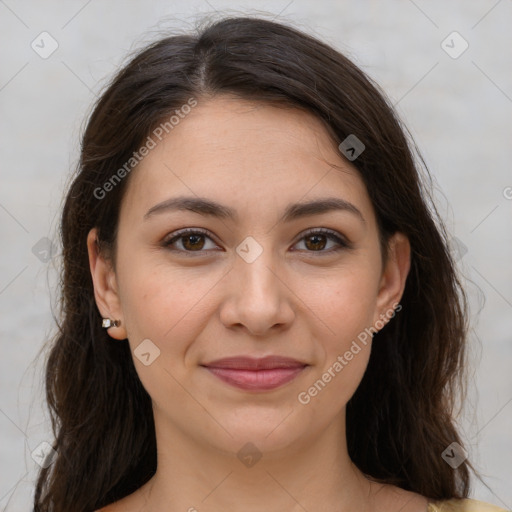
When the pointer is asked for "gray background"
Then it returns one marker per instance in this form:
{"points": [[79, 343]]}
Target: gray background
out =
{"points": [[458, 109]]}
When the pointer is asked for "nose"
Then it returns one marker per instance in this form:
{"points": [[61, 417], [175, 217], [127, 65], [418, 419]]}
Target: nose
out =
{"points": [[257, 297]]}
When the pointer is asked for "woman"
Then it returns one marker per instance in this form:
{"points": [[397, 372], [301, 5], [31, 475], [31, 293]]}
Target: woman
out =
{"points": [[259, 308]]}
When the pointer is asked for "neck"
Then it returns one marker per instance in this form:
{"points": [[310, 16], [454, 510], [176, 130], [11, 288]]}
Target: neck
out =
{"points": [[299, 476]]}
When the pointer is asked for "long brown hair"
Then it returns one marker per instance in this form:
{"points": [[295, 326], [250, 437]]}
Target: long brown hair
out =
{"points": [[399, 421]]}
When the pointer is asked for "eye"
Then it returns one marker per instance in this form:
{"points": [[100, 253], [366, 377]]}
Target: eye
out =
{"points": [[317, 240], [188, 240], [192, 240]]}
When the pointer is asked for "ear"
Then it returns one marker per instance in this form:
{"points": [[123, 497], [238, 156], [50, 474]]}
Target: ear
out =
{"points": [[394, 275], [105, 286]]}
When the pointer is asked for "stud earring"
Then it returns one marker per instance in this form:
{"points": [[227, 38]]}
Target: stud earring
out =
{"points": [[107, 323]]}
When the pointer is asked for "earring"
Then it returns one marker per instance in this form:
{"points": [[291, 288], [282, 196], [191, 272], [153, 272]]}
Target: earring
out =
{"points": [[107, 323]]}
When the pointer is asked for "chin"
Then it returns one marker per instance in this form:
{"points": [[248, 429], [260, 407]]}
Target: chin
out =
{"points": [[268, 433]]}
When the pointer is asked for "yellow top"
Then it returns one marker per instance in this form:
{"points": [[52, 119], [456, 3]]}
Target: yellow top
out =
{"points": [[463, 506]]}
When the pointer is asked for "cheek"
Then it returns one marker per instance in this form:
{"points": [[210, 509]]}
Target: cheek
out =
{"points": [[344, 302], [342, 357], [170, 311], [163, 304], [344, 305]]}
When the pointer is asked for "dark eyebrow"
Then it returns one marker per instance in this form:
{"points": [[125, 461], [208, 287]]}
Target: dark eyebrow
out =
{"points": [[295, 211], [199, 205], [319, 206]]}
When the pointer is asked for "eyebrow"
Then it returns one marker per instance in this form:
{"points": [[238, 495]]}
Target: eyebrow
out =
{"points": [[207, 207]]}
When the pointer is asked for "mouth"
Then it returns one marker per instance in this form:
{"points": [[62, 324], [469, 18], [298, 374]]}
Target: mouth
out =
{"points": [[254, 374]]}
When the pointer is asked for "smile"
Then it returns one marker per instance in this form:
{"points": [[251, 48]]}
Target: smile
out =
{"points": [[256, 374]]}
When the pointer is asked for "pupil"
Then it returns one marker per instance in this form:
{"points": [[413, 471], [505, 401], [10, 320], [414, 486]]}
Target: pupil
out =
{"points": [[195, 239], [317, 237]]}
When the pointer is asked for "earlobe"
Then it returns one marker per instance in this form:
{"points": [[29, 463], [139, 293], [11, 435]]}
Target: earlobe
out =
{"points": [[105, 286], [394, 275]]}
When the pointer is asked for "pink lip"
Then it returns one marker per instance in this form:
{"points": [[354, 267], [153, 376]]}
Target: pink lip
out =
{"points": [[256, 374]]}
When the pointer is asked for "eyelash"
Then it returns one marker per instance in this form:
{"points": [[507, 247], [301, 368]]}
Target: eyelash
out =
{"points": [[332, 235]]}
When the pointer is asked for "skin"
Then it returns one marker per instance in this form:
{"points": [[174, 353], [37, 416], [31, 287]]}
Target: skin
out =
{"points": [[298, 298]]}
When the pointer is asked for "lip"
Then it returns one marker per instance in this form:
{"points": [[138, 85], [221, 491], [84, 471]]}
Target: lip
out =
{"points": [[256, 374]]}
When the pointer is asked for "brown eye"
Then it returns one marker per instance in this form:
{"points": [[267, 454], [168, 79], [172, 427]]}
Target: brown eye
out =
{"points": [[189, 241], [318, 240], [193, 242]]}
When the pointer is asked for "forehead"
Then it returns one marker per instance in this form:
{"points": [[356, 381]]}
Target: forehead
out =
{"points": [[245, 153]]}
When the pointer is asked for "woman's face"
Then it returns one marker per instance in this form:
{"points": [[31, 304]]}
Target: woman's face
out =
{"points": [[256, 278]]}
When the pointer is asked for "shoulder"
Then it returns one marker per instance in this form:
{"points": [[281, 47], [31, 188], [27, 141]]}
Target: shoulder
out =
{"points": [[465, 505]]}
